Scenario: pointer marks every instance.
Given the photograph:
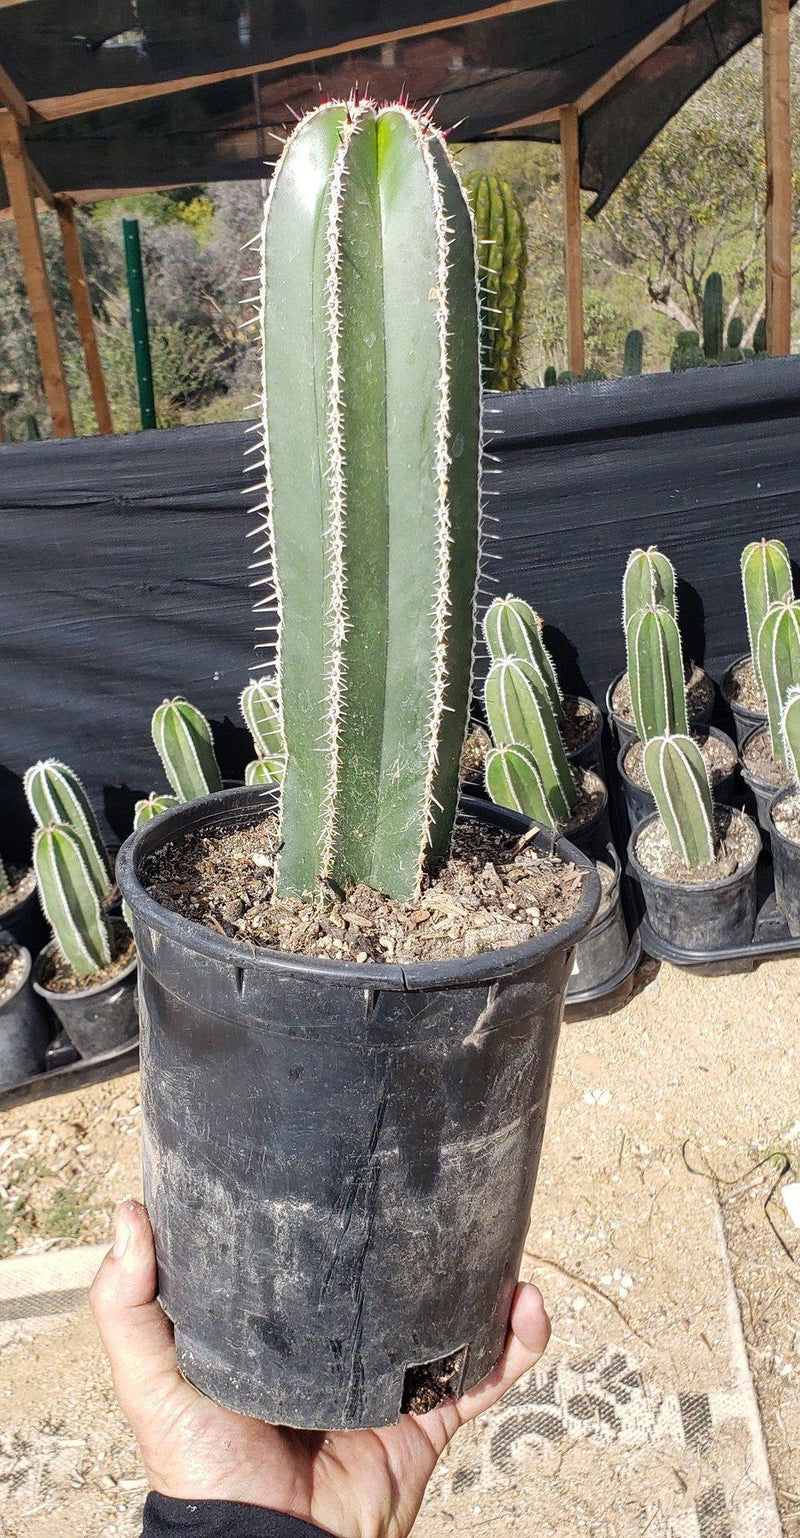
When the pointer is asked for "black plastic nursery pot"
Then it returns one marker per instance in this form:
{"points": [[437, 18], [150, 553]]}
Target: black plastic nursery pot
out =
{"points": [[26, 923], [745, 721], [590, 754], [786, 867], [702, 915], [99, 1019], [593, 836], [625, 731], [24, 1030], [602, 952], [339, 1159], [639, 799], [762, 790]]}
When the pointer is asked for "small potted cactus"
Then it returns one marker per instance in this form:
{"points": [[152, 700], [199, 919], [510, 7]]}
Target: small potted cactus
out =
{"points": [[87, 972], [56, 795], [259, 706], [766, 579], [24, 1029], [784, 820], [696, 864], [351, 1001], [512, 628], [658, 703], [183, 741], [764, 760], [650, 581], [20, 914]]}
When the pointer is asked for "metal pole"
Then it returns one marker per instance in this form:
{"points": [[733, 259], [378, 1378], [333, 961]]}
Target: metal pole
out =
{"points": [[141, 339]]}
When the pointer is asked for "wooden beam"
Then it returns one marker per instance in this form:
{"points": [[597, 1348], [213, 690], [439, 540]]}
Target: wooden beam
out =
{"points": [[76, 272], [20, 190], [778, 143], [51, 107], [13, 100], [533, 119], [569, 124]]}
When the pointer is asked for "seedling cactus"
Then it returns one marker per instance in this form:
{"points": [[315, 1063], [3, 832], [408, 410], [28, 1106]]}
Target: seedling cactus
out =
{"points": [[790, 731], [56, 795], [649, 579], [678, 779], [513, 629], [156, 803], [261, 711], [513, 780], [779, 664], [655, 673], [519, 712], [502, 258], [766, 579], [371, 376], [71, 900], [184, 744]]}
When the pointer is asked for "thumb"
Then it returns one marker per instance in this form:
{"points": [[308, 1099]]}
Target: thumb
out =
{"points": [[133, 1326]]}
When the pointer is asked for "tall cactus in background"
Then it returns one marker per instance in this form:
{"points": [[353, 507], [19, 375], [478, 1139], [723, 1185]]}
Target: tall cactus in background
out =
{"points": [[183, 741], [519, 712], [779, 664], [513, 629], [153, 806], [687, 352], [634, 354], [760, 338], [55, 794], [259, 706], [766, 579], [713, 318], [502, 259], [655, 673], [649, 579], [513, 780], [678, 779], [371, 374], [70, 899], [790, 732], [4, 881]]}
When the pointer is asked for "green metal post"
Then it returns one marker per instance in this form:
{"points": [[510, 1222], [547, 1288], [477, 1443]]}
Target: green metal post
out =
{"points": [[141, 338]]}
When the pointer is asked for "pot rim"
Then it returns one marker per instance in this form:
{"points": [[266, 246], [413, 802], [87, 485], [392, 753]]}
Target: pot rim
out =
{"points": [[611, 858], [631, 725], [80, 993], [23, 951], [643, 875], [400, 977], [775, 832], [701, 726], [598, 722], [756, 716], [748, 776], [31, 897], [591, 822]]}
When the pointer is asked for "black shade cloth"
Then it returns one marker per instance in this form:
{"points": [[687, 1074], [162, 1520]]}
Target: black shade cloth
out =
{"points": [[166, 1518], [124, 559], [483, 75]]}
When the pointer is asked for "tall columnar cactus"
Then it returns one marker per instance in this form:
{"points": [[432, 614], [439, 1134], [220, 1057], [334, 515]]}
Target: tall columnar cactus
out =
{"points": [[760, 337], [655, 673], [678, 779], [502, 258], [55, 794], [766, 579], [371, 374], [260, 708], [513, 629], [519, 711], [713, 318], [153, 806], [513, 780], [779, 663], [184, 743], [4, 881], [550, 376], [790, 731], [634, 353], [70, 898], [649, 579]]}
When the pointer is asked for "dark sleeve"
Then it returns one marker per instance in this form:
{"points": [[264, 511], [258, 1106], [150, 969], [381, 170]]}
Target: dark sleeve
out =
{"points": [[165, 1518]]}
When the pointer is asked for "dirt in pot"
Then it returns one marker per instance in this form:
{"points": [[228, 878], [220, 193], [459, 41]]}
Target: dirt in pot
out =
{"points": [[495, 890], [739, 684], [473, 753], [737, 845], [12, 971], [758, 760], [429, 1384], [787, 818], [591, 795], [20, 885], [699, 696], [57, 976], [580, 722], [719, 758]]}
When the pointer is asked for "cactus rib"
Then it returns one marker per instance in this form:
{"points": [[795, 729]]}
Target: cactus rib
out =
{"points": [[70, 899], [649, 579], [513, 629], [55, 794], [766, 579], [678, 779], [183, 741], [519, 711], [790, 731], [655, 674], [779, 663], [513, 780]]}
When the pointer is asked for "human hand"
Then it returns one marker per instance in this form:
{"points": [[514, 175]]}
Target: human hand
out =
{"points": [[354, 1484]]}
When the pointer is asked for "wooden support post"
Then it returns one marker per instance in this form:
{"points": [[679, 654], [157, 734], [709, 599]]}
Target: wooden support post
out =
{"points": [[16, 168], [73, 260], [778, 143], [573, 255]]}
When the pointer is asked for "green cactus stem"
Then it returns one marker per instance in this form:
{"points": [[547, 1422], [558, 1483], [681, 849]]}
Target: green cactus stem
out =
{"points": [[760, 337], [687, 352], [678, 779], [713, 318], [519, 711], [260, 707], [183, 741], [735, 332], [513, 629], [779, 663], [634, 354], [766, 579], [502, 260], [656, 674], [55, 794], [70, 899], [153, 806], [649, 579], [790, 731], [4, 881], [261, 771], [513, 780], [569, 377], [550, 376], [372, 391]]}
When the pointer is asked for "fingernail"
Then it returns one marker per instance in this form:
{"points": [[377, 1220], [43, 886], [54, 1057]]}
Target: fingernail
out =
{"points": [[122, 1234]]}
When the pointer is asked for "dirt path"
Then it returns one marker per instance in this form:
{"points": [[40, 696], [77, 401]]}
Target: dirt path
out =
{"points": [[642, 1418]]}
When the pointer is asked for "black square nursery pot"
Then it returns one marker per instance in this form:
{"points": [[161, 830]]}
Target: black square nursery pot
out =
{"points": [[339, 1159]]}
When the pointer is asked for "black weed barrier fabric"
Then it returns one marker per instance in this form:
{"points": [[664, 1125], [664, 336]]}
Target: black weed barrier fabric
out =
{"points": [[124, 577]]}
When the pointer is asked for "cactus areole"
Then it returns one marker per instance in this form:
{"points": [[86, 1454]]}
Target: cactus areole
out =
{"points": [[372, 443]]}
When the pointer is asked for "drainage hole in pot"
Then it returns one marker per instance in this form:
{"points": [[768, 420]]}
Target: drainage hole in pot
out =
{"points": [[428, 1384]]}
